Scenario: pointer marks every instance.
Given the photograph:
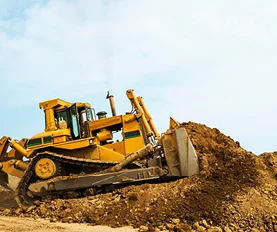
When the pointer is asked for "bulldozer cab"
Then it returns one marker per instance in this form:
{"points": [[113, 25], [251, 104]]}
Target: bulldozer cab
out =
{"points": [[78, 118], [62, 115]]}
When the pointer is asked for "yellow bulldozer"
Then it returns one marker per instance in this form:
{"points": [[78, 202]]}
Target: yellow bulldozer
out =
{"points": [[78, 155]]}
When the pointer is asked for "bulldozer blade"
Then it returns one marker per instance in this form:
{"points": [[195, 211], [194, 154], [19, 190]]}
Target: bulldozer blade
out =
{"points": [[4, 180], [173, 123], [179, 153]]}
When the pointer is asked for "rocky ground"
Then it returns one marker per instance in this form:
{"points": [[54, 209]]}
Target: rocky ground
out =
{"points": [[235, 191]]}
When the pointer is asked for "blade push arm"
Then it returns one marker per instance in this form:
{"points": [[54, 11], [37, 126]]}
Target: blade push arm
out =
{"points": [[143, 113]]}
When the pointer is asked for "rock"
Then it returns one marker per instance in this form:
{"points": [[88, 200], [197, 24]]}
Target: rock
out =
{"points": [[43, 209], [170, 226], [176, 220], [96, 218], [233, 226], [99, 207], [67, 204], [132, 196], [65, 219], [31, 208], [68, 211], [117, 199], [254, 230], [200, 229], [214, 229], [18, 211], [59, 204], [37, 203], [227, 229], [161, 227], [195, 225], [6, 211], [53, 219], [143, 228], [205, 223], [182, 227]]}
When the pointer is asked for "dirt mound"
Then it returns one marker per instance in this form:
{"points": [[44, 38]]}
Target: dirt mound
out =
{"points": [[235, 190], [7, 196]]}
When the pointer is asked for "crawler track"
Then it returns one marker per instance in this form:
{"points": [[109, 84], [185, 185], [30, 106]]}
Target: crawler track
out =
{"points": [[22, 195]]}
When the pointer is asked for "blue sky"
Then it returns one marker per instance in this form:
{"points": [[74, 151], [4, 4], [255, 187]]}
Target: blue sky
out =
{"points": [[212, 62]]}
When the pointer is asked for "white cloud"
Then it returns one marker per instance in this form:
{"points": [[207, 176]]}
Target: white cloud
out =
{"points": [[219, 57]]}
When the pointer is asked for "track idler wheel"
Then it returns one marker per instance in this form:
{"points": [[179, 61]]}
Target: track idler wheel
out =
{"points": [[46, 168]]}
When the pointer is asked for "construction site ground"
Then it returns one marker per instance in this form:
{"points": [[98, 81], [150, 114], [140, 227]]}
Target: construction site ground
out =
{"points": [[236, 190]]}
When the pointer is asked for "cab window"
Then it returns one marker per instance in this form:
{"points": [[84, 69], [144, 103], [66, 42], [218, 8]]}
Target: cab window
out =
{"points": [[89, 114]]}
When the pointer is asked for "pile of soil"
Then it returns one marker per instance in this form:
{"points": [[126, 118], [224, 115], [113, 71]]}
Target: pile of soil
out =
{"points": [[235, 190], [6, 196]]}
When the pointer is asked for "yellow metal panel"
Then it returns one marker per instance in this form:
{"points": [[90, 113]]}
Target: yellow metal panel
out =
{"points": [[83, 104], [117, 147], [61, 132], [95, 152], [130, 122], [91, 152], [42, 134], [76, 144], [50, 120], [58, 136], [136, 142], [59, 139], [8, 167], [133, 144], [54, 103], [107, 154], [68, 145], [57, 133], [105, 122]]}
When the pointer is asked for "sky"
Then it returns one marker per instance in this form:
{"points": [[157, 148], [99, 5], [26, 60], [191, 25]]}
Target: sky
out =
{"points": [[212, 62]]}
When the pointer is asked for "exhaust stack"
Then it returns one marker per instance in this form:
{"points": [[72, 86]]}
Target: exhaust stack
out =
{"points": [[111, 99]]}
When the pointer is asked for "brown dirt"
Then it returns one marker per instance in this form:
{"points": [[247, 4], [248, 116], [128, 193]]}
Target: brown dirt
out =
{"points": [[7, 196], [15, 224], [236, 190]]}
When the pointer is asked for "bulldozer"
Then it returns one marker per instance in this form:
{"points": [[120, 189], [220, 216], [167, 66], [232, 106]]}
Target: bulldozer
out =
{"points": [[78, 153]]}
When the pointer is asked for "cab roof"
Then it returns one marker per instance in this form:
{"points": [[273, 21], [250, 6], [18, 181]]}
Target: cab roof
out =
{"points": [[60, 104]]}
